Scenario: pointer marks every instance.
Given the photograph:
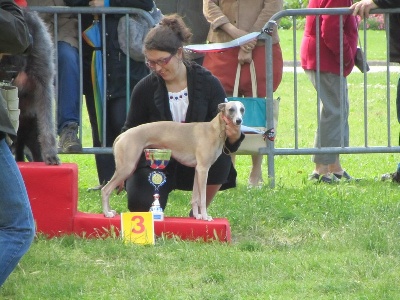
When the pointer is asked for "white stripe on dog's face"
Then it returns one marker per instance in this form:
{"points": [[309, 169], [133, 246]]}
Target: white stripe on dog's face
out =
{"points": [[234, 110]]}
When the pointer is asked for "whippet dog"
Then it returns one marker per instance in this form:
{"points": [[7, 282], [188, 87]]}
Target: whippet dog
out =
{"points": [[196, 145]]}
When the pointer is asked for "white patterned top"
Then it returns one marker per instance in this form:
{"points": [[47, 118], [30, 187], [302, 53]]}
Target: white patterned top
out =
{"points": [[178, 103]]}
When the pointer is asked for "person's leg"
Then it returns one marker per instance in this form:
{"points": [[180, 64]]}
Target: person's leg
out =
{"points": [[398, 101], [68, 97], [330, 129], [211, 191], [256, 178], [68, 85], [116, 108], [116, 113], [17, 227], [140, 191]]}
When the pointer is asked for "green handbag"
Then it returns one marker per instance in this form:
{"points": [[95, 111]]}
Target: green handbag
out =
{"points": [[255, 107], [255, 118]]}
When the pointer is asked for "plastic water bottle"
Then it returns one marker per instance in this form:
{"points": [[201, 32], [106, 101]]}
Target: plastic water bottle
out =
{"points": [[158, 214]]}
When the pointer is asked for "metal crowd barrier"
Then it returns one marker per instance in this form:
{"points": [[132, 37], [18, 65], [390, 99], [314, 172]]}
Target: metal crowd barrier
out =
{"points": [[270, 150], [292, 145], [101, 12]]}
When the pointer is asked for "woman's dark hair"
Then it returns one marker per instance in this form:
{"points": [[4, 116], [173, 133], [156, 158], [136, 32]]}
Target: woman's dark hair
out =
{"points": [[169, 35]]}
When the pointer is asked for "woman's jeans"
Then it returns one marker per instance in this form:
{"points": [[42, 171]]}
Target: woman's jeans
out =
{"points": [[17, 227], [68, 85]]}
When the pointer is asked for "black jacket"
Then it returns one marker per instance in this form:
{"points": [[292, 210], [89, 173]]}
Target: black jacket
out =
{"points": [[394, 29], [14, 39], [150, 103]]}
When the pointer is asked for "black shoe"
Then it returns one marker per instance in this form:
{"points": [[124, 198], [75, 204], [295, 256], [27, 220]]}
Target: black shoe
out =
{"points": [[324, 178], [346, 176], [69, 142], [96, 188]]}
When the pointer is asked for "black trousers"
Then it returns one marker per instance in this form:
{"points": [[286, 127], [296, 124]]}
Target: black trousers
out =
{"points": [[140, 191]]}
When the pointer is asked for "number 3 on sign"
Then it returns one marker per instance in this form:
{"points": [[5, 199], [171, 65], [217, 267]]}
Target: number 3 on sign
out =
{"points": [[138, 227]]}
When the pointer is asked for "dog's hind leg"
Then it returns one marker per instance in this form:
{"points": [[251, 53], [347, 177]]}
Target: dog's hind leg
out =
{"points": [[106, 193], [126, 161]]}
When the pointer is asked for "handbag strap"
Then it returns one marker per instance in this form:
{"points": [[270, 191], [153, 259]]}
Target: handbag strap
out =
{"points": [[359, 41], [253, 78]]}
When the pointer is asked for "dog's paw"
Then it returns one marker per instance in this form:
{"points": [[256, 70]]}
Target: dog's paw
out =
{"points": [[204, 217], [52, 159], [207, 218], [110, 214]]}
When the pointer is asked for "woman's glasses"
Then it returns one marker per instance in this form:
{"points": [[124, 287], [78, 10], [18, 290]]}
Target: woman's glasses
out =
{"points": [[161, 62]]}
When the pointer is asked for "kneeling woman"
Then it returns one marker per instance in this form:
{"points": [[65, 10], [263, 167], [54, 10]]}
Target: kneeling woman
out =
{"points": [[181, 91]]}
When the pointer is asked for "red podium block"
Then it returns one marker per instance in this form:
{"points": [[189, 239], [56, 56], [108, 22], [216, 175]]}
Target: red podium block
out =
{"points": [[192, 229], [96, 225], [53, 194]]}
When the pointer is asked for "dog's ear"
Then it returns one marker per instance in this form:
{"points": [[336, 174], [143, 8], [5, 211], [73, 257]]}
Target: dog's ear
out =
{"points": [[221, 106]]}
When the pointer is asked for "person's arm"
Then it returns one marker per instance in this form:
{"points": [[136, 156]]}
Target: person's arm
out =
{"points": [[387, 3], [138, 112], [14, 33], [213, 14], [330, 27], [363, 7], [234, 135], [217, 19], [77, 2], [271, 7], [142, 4]]}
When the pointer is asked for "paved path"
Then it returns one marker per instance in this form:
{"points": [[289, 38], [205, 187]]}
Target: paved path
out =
{"points": [[375, 66]]}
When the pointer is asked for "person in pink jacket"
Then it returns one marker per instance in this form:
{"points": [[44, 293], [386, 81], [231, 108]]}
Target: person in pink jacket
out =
{"points": [[329, 134]]}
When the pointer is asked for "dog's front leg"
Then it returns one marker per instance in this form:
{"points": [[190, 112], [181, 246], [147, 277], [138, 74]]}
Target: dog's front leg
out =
{"points": [[199, 197], [195, 198]]}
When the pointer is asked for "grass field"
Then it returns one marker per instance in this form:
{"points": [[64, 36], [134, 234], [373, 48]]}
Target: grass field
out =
{"points": [[297, 241]]}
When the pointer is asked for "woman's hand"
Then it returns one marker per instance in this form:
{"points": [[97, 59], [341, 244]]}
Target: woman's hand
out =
{"points": [[96, 3], [245, 53], [232, 131], [363, 7], [248, 47], [244, 57]]}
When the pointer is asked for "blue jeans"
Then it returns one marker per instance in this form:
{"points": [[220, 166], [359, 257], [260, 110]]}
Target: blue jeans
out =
{"points": [[17, 227], [68, 85]]}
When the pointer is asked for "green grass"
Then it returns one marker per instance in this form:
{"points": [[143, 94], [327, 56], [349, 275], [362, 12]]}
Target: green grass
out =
{"points": [[296, 241]]}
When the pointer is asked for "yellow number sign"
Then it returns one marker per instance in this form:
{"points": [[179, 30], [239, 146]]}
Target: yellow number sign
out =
{"points": [[138, 227]]}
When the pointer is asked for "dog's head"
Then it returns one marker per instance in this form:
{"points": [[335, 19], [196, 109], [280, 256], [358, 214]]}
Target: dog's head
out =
{"points": [[234, 110]]}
